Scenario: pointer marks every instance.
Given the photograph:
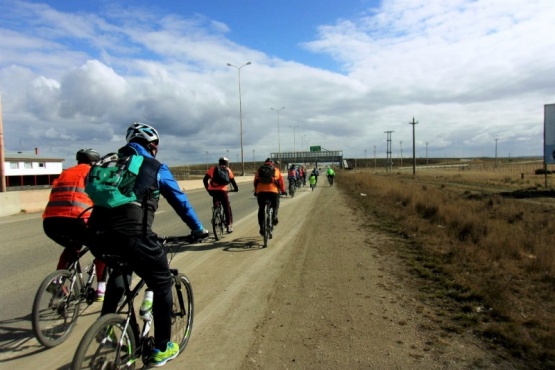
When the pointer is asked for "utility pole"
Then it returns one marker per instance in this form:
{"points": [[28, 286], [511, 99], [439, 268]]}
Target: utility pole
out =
{"points": [[389, 162], [426, 153], [413, 123], [374, 156]]}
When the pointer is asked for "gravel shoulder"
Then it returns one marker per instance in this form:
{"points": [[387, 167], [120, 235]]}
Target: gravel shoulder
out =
{"points": [[339, 303]]}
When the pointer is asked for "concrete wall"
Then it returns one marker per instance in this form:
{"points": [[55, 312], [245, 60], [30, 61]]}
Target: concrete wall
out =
{"points": [[14, 202]]}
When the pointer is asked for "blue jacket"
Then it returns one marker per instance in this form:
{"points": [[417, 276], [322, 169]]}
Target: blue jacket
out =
{"points": [[173, 194]]}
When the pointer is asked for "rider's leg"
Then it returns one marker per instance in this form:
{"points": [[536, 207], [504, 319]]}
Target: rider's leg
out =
{"points": [[261, 200], [149, 261]]}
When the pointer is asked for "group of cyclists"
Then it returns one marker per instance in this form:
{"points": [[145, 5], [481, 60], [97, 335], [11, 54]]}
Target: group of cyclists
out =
{"points": [[72, 220]]}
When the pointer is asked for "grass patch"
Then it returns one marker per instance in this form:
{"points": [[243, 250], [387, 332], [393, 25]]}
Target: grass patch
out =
{"points": [[483, 244]]}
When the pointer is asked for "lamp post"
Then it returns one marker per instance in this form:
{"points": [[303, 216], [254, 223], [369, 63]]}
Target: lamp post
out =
{"points": [[253, 162], [240, 114], [279, 144], [294, 149], [374, 156]]}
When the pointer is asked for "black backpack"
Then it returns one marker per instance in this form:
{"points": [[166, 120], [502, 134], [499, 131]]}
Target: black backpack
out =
{"points": [[221, 176], [266, 174]]}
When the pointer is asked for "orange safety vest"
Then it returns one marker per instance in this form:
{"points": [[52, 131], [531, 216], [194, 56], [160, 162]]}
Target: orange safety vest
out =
{"points": [[276, 186], [214, 186], [68, 197]]}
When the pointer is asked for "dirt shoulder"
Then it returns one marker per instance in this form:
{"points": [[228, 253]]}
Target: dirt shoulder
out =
{"points": [[340, 303]]}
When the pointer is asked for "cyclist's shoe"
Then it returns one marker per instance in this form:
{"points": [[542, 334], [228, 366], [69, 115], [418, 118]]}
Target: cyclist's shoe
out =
{"points": [[229, 229], [159, 358], [201, 233], [261, 232], [99, 295], [275, 222]]}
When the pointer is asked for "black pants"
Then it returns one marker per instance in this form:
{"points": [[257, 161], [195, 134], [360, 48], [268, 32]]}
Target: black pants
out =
{"points": [[223, 197], [274, 201], [146, 257]]}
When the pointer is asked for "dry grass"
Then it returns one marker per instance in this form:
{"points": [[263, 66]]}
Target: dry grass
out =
{"points": [[484, 241]]}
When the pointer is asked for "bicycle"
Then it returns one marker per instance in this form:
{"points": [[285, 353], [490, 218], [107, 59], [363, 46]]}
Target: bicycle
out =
{"points": [[268, 227], [56, 306], [116, 341], [330, 180], [292, 186], [218, 218]]}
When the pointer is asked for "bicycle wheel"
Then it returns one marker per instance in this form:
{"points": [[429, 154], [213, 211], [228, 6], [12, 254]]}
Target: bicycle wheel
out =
{"points": [[56, 308], [291, 189], [108, 344], [218, 222], [268, 212], [183, 311]]}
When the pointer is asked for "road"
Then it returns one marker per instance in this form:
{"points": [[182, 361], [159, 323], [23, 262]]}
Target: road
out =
{"points": [[27, 256], [321, 296]]}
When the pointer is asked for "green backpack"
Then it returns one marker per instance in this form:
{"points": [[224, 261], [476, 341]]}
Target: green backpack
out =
{"points": [[111, 180]]}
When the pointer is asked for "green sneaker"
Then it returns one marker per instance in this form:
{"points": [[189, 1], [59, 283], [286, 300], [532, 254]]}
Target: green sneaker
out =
{"points": [[159, 358]]}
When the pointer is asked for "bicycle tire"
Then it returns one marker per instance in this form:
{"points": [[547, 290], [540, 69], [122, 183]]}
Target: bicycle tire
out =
{"points": [[217, 223], [54, 316], [100, 346], [267, 224], [182, 311], [291, 190]]}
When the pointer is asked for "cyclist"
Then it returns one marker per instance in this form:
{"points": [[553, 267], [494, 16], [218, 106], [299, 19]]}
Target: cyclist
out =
{"points": [[330, 173], [127, 231], [216, 184], [66, 214], [302, 175], [268, 184], [292, 176], [316, 173], [312, 181]]}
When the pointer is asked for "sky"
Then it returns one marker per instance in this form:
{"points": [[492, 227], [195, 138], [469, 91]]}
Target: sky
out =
{"points": [[474, 74]]}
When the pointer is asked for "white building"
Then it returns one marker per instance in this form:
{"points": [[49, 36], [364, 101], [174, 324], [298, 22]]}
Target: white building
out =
{"points": [[26, 169]]}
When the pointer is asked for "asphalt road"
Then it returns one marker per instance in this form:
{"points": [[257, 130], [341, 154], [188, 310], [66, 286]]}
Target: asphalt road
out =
{"points": [[27, 256]]}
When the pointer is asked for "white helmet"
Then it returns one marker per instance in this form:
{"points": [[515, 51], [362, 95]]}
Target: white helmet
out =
{"points": [[142, 131]]}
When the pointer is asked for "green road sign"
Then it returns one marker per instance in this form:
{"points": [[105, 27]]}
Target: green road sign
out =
{"points": [[316, 148]]}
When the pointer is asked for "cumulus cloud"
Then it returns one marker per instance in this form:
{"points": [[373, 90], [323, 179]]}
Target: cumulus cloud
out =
{"points": [[468, 71]]}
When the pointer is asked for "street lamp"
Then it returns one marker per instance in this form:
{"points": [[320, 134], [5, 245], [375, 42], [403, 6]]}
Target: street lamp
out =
{"points": [[279, 144], [240, 114], [294, 149]]}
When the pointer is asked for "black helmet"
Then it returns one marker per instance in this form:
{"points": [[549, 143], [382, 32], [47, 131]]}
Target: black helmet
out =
{"points": [[87, 155], [223, 161], [269, 160]]}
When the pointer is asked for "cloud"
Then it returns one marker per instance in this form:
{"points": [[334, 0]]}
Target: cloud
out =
{"points": [[468, 71]]}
